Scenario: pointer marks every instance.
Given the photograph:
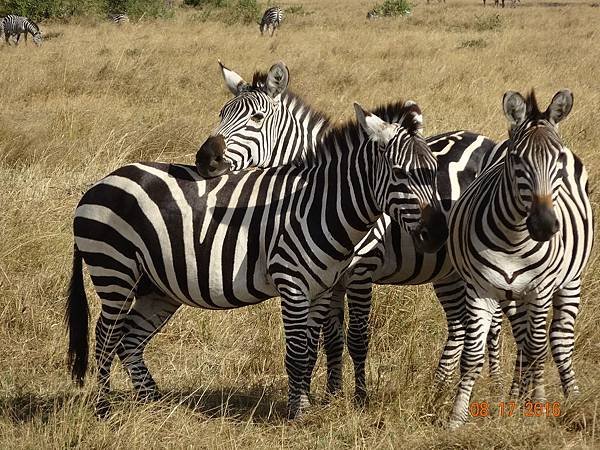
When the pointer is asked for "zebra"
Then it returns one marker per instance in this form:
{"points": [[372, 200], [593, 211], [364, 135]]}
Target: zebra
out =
{"points": [[521, 235], [272, 18], [295, 127], [119, 19], [13, 25], [387, 252], [164, 236], [373, 14]]}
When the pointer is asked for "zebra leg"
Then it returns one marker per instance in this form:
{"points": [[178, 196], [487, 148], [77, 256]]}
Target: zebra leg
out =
{"points": [[562, 336], [451, 294], [480, 312], [294, 311], [149, 314], [493, 346], [359, 308], [517, 316], [109, 330], [536, 347], [318, 311], [333, 333]]}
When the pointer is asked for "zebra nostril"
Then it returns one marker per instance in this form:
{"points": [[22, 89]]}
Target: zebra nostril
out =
{"points": [[424, 235]]}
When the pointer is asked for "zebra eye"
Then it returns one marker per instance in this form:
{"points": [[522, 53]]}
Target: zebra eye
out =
{"points": [[258, 117]]}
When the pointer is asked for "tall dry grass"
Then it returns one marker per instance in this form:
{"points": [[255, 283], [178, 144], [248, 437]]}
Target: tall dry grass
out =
{"points": [[96, 96]]}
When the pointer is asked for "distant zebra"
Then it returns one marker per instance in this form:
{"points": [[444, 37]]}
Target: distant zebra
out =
{"points": [[161, 234], [16, 25], [521, 235], [271, 18], [373, 14], [387, 255], [119, 19]]}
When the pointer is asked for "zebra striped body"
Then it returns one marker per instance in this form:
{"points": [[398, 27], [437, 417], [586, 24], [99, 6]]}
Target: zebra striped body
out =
{"points": [[387, 255], [119, 19], [520, 237], [163, 235], [17, 25], [373, 14], [272, 18]]}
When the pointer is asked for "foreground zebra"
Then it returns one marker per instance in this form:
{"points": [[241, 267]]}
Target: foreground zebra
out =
{"points": [[16, 25], [387, 255], [272, 18], [160, 234], [520, 236], [119, 19]]}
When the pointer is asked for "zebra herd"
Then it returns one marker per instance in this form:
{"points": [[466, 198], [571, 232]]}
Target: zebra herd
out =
{"points": [[333, 211]]}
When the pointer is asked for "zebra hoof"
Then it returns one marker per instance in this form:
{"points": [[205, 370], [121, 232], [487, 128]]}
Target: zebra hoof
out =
{"points": [[102, 409], [148, 396], [455, 424], [361, 399]]}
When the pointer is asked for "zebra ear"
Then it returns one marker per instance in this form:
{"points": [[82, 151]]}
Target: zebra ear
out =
{"points": [[233, 81], [377, 129], [515, 108], [560, 107], [277, 79]]}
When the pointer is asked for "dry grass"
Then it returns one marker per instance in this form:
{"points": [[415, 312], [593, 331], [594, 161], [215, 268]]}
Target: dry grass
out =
{"points": [[94, 97]]}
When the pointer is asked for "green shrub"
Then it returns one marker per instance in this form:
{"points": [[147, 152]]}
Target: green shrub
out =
{"points": [[392, 8], [245, 11], [211, 3], [41, 9]]}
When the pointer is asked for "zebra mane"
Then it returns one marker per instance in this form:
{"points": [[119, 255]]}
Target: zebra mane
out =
{"points": [[533, 110], [399, 112]]}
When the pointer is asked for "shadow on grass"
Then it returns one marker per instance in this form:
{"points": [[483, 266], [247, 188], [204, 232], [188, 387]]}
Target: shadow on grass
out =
{"points": [[27, 407], [258, 403]]}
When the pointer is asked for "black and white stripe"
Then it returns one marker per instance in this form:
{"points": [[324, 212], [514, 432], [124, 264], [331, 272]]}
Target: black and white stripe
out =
{"points": [[162, 235], [13, 25], [272, 18], [520, 237]]}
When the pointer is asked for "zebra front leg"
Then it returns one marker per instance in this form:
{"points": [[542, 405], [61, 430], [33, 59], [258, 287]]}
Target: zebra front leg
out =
{"points": [[493, 346], [451, 294], [333, 333], [359, 308], [562, 335], [517, 316], [480, 312], [536, 348], [147, 317], [294, 311]]}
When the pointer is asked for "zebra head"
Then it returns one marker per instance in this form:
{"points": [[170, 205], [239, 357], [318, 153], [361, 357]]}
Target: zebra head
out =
{"points": [[536, 158], [249, 128], [405, 181], [37, 38]]}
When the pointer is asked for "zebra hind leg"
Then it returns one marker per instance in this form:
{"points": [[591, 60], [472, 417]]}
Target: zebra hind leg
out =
{"points": [[562, 335], [149, 314]]}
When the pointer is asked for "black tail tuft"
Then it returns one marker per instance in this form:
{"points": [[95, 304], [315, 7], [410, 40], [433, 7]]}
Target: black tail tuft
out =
{"points": [[77, 320]]}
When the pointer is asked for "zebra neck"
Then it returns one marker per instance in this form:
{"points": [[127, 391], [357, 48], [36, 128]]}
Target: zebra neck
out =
{"points": [[504, 209], [341, 197]]}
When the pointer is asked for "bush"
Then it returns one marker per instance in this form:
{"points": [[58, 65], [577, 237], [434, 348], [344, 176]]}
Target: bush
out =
{"points": [[245, 11], [392, 8], [213, 3], [40, 9], [229, 11]]}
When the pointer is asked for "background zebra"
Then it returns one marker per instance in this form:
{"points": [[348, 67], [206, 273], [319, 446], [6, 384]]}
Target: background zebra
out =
{"points": [[387, 255], [159, 233], [521, 235], [119, 19], [271, 18], [13, 25]]}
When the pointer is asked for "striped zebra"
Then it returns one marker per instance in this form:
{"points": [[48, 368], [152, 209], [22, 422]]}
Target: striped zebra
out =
{"points": [[295, 128], [373, 14], [387, 255], [13, 25], [119, 19], [272, 18], [155, 236], [521, 235]]}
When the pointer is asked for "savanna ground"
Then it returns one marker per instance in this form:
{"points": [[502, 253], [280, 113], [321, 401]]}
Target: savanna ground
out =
{"points": [[95, 96]]}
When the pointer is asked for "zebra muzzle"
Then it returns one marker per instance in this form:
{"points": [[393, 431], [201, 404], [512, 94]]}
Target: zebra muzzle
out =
{"points": [[210, 162], [432, 232], [542, 222]]}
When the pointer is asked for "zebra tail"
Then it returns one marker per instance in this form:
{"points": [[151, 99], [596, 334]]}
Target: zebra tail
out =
{"points": [[77, 321]]}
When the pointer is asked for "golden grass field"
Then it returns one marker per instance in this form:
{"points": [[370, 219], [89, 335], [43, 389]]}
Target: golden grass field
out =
{"points": [[96, 96]]}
